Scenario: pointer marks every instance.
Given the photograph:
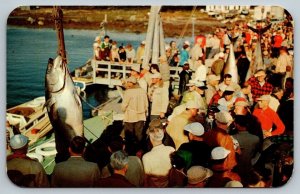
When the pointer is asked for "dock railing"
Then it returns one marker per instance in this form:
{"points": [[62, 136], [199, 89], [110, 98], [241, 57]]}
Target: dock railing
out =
{"points": [[111, 74]]}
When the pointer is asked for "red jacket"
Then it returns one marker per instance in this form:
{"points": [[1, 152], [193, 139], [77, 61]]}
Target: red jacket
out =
{"points": [[267, 118]]}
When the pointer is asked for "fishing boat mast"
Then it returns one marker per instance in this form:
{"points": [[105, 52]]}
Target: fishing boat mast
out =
{"points": [[58, 18]]}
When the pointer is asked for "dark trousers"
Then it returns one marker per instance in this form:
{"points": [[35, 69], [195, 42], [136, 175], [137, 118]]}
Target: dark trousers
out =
{"points": [[134, 131]]}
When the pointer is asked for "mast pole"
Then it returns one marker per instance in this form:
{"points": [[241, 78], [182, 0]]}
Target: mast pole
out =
{"points": [[58, 18]]}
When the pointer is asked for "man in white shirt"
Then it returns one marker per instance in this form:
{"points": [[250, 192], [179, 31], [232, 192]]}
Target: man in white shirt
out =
{"points": [[157, 162]]}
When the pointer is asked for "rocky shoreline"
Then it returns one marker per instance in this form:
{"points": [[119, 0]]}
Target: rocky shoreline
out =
{"points": [[121, 19]]}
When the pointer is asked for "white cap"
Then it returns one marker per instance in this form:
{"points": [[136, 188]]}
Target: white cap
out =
{"points": [[131, 79], [97, 38], [192, 104], [18, 141], [156, 75], [264, 97], [229, 89], [234, 184], [200, 84], [191, 83], [222, 87], [213, 77], [143, 42], [221, 55], [187, 42], [224, 117], [195, 128], [219, 153]]}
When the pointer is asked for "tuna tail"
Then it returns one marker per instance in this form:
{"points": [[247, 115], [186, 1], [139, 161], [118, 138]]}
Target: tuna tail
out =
{"points": [[232, 40], [260, 31]]}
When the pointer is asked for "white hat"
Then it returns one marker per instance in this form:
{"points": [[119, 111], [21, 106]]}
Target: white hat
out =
{"points": [[156, 75], [221, 55], [136, 67], [197, 174], [219, 153], [264, 97], [260, 73], [18, 141], [223, 117], [200, 84], [143, 42], [187, 42], [191, 83], [213, 77], [195, 128], [131, 79], [229, 89], [234, 184], [222, 87], [97, 38], [192, 104], [167, 47]]}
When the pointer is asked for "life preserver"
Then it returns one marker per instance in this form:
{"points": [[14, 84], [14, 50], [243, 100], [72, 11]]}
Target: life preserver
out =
{"points": [[50, 149], [37, 156]]}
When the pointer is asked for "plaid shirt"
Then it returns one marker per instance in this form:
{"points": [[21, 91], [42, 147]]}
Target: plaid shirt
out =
{"points": [[258, 90]]}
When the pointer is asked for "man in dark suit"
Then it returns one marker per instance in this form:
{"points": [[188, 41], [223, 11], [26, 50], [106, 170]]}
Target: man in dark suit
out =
{"points": [[119, 164], [75, 172]]}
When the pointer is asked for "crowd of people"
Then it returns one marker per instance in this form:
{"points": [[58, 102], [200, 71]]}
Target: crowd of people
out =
{"points": [[212, 133]]}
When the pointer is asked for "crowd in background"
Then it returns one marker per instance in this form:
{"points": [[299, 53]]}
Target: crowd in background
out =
{"points": [[213, 132]]}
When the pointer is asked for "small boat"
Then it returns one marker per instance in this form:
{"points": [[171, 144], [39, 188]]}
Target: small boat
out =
{"points": [[111, 106], [30, 119]]}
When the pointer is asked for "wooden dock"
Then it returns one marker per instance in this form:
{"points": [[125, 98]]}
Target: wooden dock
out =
{"points": [[111, 74]]}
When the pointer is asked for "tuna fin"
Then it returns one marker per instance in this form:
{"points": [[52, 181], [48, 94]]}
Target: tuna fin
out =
{"points": [[49, 103]]}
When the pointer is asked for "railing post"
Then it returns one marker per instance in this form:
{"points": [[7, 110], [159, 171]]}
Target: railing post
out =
{"points": [[109, 74], [124, 71], [94, 70]]}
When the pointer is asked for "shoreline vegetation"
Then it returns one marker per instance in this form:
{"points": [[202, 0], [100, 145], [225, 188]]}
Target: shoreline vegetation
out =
{"points": [[132, 19]]}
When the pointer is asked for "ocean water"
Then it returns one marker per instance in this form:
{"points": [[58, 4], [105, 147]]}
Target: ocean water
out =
{"points": [[28, 51]]}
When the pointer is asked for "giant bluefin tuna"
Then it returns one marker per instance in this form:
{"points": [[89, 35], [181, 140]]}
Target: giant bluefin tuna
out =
{"points": [[230, 65], [63, 106], [257, 62]]}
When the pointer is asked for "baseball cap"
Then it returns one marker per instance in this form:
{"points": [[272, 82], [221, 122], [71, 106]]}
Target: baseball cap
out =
{"points": [[233, 184], [191, 83], [192, 104], [156, 75], [213, 77], [200, 85], [264, 97], [195, 128], [18, 141], [229, 89], [219, 153], [131, 79], [187, 42], [223, 117], [260, 73]]}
